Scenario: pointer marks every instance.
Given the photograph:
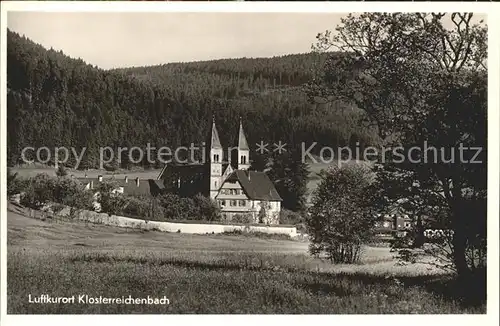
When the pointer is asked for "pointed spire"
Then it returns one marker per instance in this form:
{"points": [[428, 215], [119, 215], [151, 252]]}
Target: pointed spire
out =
{"points": [[242, 140], [214, 140]]}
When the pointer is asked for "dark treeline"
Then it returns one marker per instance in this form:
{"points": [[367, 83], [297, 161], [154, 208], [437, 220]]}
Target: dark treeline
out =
{"points": [[54, 100]]}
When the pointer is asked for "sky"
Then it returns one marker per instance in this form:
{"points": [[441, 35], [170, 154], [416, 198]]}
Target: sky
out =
{"points": [[111, 40], [135, 39]]}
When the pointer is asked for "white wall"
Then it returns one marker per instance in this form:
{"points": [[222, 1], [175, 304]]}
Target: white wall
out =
{"points": [[122, 221]]}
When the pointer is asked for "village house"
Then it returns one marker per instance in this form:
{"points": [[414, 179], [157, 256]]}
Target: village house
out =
{"points": [[134, 187]]}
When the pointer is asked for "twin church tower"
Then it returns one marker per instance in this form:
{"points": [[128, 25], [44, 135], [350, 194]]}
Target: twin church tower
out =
{"points": [[221, 169]]}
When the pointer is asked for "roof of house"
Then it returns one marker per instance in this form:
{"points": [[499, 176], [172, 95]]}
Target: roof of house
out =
{"points": [[131, 187], [256, 185], [190, 165]]}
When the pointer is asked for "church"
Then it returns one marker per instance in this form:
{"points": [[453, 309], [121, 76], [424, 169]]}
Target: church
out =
{"points": [[227, 180]]}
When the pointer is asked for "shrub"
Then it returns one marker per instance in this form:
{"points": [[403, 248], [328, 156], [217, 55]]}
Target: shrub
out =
{"points": [[290, 217], [144, 207], [61, 171], [197, 208], [175, 207], [340, 219], [111, 202], [264, 206], [137, 207], [208, 210], [39, 191], [15, 184], [245, 218], [42, 189], [71, 193]]}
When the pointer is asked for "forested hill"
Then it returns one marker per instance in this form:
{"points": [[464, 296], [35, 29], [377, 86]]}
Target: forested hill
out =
{"points": [[54, 100]]}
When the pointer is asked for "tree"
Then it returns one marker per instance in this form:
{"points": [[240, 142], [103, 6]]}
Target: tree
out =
{"points": [[39, 191], [289, 175], [421, 84], [208, 209], [264, 207], [111, 201], [341, 217], [14, 183], [61, 171]]}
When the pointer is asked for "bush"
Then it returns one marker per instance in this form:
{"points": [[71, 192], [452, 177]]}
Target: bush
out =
{"points": [[207, 208], [42, 189], [244, 218], [15, 184], [71, 193], [61, 171], [176, 208], [111, 202], [341, 219], [137, 207], [290, 217], [197, 208], [144, 208], [39, 191]]}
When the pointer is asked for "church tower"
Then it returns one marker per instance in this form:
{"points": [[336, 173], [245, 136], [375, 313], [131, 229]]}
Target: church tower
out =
{"points": [[215, 162], [243, 150]]}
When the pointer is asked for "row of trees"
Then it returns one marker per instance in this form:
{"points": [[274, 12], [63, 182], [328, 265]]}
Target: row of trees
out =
{"points": [[42, 190]]}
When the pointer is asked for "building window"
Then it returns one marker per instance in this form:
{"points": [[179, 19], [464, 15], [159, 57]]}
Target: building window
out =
{"points": [[243, 159], [243, 203], [216, 157], [222, 203], [233, 202], [215, 183]]}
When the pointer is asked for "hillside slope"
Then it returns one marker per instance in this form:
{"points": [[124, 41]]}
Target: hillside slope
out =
{"points": [[55, 100]]}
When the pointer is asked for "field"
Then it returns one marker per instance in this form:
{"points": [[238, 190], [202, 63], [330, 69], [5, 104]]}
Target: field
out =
{"points": [[207, 274]]}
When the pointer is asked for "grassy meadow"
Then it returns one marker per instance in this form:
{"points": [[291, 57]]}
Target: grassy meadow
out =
{"points": [[208, 274]]}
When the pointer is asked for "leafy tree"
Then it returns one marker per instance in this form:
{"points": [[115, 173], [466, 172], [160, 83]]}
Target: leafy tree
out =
{"points": [[341, 218], [244, 218], [39, 191], [144, 207], [290, 217], [289, 175], [208, 209], [15, 185], [72, 193], [61, 171], [111, 201], [264, 207], [421, 84]]}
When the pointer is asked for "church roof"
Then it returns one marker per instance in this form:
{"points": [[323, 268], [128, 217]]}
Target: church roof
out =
{"points": [[242, 140], [214, 139], [256, 185]]}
